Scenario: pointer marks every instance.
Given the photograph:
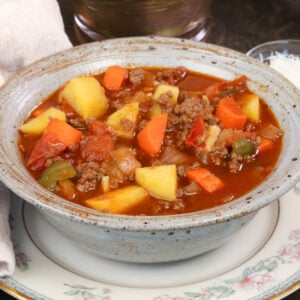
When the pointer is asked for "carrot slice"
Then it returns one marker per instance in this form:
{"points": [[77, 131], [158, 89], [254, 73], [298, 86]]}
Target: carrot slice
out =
{"points": [[205, 179], [65, 133], [114, 78], [230, 114], [150, 138], [265, 145], [57, 136]]}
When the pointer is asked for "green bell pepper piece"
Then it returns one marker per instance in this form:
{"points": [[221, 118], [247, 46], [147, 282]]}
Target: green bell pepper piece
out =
{"points": [[59, 170], [244, 147]]}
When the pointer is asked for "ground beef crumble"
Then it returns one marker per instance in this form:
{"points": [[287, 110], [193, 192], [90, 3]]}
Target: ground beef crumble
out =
{"points": [[171, 76], [184, 115], [166, 103], [89, 175], [136, 76]]}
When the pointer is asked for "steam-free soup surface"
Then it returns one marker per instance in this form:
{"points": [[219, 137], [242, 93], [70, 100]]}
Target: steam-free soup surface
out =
{"points": [[151, 141]]}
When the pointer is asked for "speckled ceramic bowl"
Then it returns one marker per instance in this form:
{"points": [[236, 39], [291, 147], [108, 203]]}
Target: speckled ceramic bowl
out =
{"points": [[142, 238]]}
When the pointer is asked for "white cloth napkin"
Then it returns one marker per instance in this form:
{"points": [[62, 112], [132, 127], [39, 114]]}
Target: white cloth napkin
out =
{"points": [[29, 30], [7, 257]]}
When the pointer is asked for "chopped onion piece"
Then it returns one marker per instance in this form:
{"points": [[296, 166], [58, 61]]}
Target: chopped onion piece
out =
{"points": [[191, 189], [125, 160], [173, 156], [271, 132]]}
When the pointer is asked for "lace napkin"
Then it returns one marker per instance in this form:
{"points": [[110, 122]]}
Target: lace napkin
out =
{"points": [[30, 30]]}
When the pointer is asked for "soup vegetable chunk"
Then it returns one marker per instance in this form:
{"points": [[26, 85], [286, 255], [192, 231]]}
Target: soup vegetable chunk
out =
{"points": [[151, 141]]}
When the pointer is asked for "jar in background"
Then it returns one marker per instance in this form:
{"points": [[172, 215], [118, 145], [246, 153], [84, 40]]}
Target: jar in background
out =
{"points": [[102, 19]]}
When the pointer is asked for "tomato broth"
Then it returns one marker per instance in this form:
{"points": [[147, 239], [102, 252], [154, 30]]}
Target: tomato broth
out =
{"points": [[151, 141]]}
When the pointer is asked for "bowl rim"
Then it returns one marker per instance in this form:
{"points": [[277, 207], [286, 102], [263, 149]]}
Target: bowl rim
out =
{"points": [[78, 213]]}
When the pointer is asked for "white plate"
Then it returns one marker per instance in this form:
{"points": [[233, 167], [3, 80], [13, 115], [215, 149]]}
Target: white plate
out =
{"points": [[261, 261]]}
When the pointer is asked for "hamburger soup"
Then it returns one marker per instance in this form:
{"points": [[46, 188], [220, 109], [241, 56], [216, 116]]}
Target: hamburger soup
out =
{"points": [[151, 141]]}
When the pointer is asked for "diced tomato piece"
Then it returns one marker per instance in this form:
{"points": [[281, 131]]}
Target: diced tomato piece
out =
{"points": [[215, 89], [97, 127], [197, 131], [46, 147], [57, 137], [96, 147]]}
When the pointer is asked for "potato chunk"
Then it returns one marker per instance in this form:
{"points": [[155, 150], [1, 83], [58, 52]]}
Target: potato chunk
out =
{"points": [[213, 132], [250, 106], [170, 90], [86, 96], [159, 181], [38, 124], [119, 201], [154, 110], [123, 121]]}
